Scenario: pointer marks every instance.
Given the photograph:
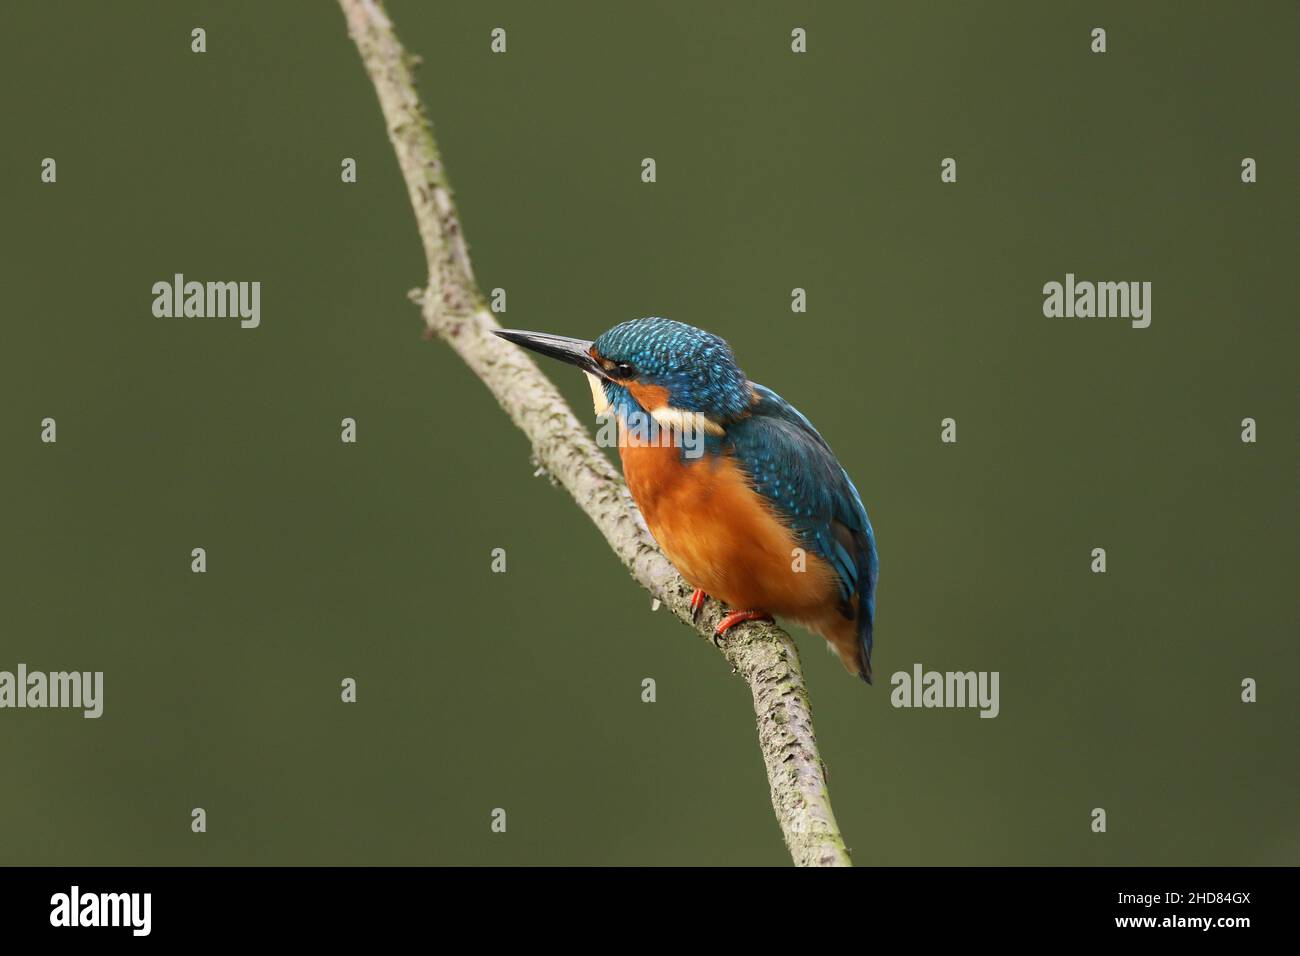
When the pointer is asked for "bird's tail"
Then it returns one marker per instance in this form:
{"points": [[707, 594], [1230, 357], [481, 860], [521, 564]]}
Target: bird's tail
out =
{"points": [[864, 644], [865, 604], [850, 641]]}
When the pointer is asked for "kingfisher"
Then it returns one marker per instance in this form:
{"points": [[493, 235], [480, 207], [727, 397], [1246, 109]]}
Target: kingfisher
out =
{"points": [[745, 497]]}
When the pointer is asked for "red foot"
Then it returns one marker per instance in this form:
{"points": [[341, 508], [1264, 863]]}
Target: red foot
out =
{"points": [[734, 618], [697, 602]]}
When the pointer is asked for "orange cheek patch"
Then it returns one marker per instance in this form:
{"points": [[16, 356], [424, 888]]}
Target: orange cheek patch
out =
{"points": [[649, 397]]}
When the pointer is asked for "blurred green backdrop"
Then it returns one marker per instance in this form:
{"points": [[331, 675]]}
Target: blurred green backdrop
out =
{"points": [[522, 690]]}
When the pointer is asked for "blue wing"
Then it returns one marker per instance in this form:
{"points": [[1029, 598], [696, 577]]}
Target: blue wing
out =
{"points": [[792, 467]]}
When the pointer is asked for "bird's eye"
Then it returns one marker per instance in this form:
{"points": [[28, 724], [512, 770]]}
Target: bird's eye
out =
{"points": [[625, 370]]}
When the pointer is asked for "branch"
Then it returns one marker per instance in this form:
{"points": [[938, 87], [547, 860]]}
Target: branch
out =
{"points": [[454, 311]]}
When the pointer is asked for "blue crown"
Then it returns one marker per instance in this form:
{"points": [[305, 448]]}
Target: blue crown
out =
{"points": [[696, 367]]}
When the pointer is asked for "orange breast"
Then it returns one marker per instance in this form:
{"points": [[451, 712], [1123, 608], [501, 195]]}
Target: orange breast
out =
{"points": [[722, 536]]}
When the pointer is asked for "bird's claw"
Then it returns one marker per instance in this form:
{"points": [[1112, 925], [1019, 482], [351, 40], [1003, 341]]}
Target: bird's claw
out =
{"points": [[734, 618], [697, 603]]}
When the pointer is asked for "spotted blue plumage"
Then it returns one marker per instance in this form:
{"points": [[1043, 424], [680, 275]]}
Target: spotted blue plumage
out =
{"points": [[783, 455], [791, 466], [696, 367]]}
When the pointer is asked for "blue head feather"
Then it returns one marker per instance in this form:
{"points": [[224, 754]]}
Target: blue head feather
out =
{"points": [[696, 367]]}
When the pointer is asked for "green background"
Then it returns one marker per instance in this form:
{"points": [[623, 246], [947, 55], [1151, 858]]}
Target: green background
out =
{"points": [[522, 690]]}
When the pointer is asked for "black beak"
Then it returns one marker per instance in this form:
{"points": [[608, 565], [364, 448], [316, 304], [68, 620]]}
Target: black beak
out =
{"points": [[573, 351]]}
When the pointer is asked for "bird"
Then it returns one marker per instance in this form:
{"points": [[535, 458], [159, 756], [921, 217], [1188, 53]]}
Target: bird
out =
{"points": [[745, 497]]}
